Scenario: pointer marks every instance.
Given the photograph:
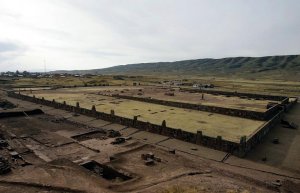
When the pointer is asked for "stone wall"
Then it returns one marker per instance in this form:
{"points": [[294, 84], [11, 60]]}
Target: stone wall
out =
{"points": [[20, 113], [238, 94], [258, 136], [268, 114], [290, 105], [239, 149]]}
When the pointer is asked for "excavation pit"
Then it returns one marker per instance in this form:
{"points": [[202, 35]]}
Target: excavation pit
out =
{"points": [[106, 172], [4, 104], [90, 135]]}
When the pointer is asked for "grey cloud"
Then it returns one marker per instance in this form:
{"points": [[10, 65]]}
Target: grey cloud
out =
{"points": [[174, 29], [11, 15], [154, 30], [98, 53], [9, 51], [9, 47], [53, 32], [93, 52]]}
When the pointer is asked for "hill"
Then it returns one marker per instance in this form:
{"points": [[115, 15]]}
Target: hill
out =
{"points": [[278, 67]]}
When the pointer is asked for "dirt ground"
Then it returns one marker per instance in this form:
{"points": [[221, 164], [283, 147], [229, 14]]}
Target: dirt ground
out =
{"points": [[55, 160], [286, 154]]}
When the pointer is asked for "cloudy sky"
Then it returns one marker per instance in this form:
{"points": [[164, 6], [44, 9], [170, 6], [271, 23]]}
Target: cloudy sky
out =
{"points": [[88, 34]]}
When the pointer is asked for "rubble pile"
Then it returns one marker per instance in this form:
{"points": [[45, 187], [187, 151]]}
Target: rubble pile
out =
{"points": [[4, 166], [150, 158], [118, 140], [6, 104], [288, 124]]}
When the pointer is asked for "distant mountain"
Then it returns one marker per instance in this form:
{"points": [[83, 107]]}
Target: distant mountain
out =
{"points": [[279, 67]]}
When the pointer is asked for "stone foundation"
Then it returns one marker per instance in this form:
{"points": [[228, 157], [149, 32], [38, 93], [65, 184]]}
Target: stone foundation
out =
{"points": [[268, 114], [239, 149]]}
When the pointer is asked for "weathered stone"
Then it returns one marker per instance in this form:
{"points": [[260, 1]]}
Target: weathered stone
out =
{"points": [[118, 140], [164, 124]]}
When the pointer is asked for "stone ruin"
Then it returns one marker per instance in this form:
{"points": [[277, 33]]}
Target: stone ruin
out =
{"points": [[150, 158], [169, 94]]}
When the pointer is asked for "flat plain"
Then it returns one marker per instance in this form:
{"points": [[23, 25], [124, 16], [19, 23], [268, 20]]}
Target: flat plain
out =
{"points": [[55, 148]]}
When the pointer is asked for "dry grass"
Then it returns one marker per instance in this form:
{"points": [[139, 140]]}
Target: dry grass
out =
{"points": [[211, 124], [81, 81], [266, 85], [208, 99]]}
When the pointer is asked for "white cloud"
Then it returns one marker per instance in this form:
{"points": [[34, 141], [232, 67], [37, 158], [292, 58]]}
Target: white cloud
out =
{"points": [[84, 34]]}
